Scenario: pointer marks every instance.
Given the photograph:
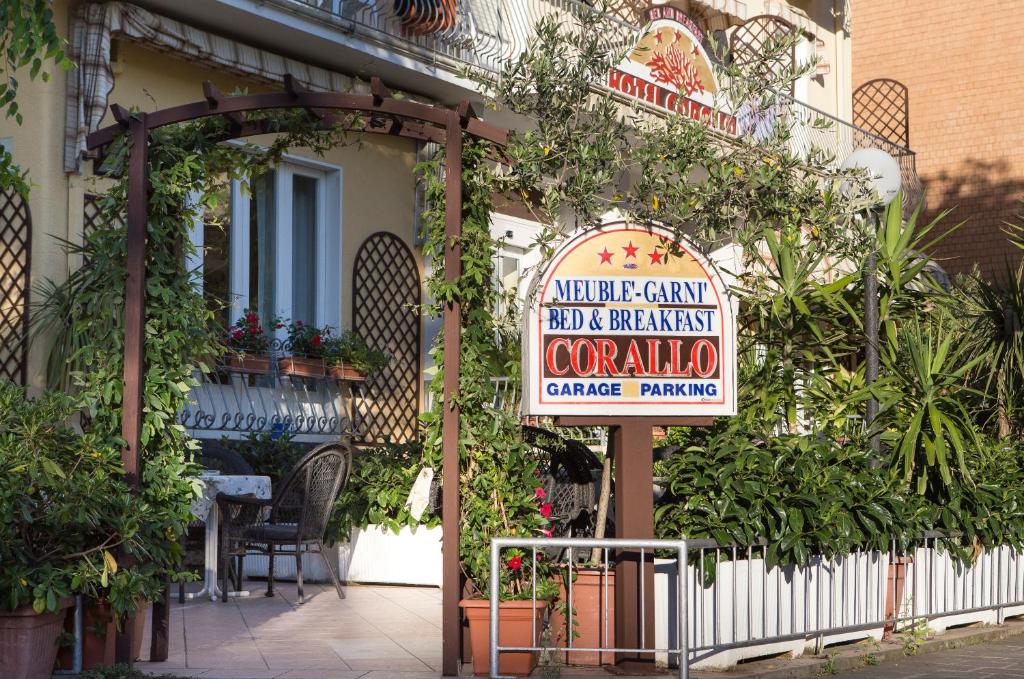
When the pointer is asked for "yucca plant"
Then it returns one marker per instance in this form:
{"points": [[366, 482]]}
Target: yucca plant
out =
{"points": [[928, 424], [991, 316]]}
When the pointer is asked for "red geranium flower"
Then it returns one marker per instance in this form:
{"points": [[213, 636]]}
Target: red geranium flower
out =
{"points": [[545, 510], [547, 532], [316, 341], [237, 335], [252, 318], [515, 563], [539, 493]]}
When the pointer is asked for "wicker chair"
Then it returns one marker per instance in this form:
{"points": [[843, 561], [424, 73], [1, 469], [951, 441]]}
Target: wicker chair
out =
{"points": [[298, 515]]}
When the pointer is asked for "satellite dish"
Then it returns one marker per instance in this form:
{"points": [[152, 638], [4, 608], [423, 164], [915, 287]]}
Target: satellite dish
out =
{"points": [[882, 170]]}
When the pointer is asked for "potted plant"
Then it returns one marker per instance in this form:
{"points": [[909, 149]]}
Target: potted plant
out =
{"points": [[67, 510], [351, 359], [306, 343], [520, 612], [247, 345]]}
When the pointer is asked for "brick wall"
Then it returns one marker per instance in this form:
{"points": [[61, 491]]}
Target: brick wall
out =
{"points": [[963, 63]]}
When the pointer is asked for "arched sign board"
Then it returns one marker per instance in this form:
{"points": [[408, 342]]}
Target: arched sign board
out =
{"points": [[670, 67], [629, 320]]}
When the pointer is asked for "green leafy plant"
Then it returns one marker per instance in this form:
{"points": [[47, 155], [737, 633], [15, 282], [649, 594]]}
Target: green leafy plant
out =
{"points": [[498, 472], [377, 490], [351, 349], [268, 454], [125, 672], [64, 509], [28, 39]]}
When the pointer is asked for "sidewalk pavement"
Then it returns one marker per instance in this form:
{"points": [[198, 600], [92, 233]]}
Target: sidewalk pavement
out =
{"points": [[993, 660]]}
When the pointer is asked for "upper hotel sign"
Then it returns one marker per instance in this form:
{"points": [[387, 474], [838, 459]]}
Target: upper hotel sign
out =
{"points": [[670, 68], [627, 320]]}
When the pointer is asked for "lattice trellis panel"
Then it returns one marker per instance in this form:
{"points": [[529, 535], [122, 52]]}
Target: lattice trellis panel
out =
{"points": [[15, 268], [749, 40], [386, 298], [882, 106]]}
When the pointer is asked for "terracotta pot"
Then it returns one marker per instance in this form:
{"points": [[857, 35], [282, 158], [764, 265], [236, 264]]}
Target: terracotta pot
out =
{"points": [[590, 611], [894, 590], [247, 363], [98, 635], [28, 641], [300, 366], [514, 629], [139, 629], [344, 373]]}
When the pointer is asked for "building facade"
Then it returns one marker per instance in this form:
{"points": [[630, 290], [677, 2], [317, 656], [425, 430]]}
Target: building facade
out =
{"points": [[927, 74], [305, 242]]}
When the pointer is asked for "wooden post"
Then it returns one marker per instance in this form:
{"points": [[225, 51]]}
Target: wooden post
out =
{"points": [[451, 587], [134, 327]]}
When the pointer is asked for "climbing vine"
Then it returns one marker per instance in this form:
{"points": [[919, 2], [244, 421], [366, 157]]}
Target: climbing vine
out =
{"points": [[187, 165]]}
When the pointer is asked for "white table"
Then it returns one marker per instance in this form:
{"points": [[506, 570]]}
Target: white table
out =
{"points": [[205, 509]]}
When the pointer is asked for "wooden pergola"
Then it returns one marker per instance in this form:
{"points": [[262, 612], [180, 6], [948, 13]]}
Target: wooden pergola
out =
{"points": [[384, 115]]}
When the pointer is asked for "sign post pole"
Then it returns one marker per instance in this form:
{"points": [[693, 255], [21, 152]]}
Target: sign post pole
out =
{"points": [[633, 443]]}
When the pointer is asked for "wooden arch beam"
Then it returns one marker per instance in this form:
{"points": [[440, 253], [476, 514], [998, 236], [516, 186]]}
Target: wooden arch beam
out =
{"points": [[397, 117]]}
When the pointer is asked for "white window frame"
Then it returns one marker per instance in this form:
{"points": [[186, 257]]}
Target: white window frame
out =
{"points": [[329, 241]]}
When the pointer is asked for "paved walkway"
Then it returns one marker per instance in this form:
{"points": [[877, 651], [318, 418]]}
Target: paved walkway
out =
{"points": [[375, 633], [992, 660]]}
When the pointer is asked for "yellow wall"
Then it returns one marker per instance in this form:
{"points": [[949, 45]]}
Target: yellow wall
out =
{"points": [[378, 184], [38, 146]]}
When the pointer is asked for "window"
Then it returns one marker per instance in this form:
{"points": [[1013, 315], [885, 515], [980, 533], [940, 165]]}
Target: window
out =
{"points": [[274, 245]]}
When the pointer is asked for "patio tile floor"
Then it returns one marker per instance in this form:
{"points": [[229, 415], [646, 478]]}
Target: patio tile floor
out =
{"points": [[377, 632]]}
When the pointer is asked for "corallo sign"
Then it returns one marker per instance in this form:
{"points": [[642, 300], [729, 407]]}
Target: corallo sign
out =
{"points": [[670, 68], [629, 320]]}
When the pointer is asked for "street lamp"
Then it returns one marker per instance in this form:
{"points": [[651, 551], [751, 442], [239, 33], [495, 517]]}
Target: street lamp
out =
{"points": [[884, 178]]}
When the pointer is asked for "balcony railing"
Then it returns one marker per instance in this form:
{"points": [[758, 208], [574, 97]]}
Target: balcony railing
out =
{"points": [[486, 34], [235, 402]]}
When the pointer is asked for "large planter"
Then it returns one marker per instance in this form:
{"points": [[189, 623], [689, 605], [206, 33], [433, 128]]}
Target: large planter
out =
{"points": [[345, 373], [28, 641], [593, 617], [247, 363], [299, 366], [516, 622], [98, 635], [377, 555]]}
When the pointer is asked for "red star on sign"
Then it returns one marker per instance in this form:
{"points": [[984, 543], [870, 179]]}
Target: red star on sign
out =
{"points": [[694, 50], [606, 257], [630, 250], [657, 37], [655, 257]]}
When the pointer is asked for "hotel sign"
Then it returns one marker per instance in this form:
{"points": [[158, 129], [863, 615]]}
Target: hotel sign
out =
{"points": [[627, 320], [670, 68]]}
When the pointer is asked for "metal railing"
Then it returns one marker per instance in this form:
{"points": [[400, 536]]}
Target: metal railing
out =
{"points": [[732, 600], [487, 34], [812, 131], [644, 547], [228, 400]]}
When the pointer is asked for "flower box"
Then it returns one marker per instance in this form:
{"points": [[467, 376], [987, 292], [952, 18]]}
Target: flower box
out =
{"points": [[299, 366], [247, 363], [345, 373]]}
